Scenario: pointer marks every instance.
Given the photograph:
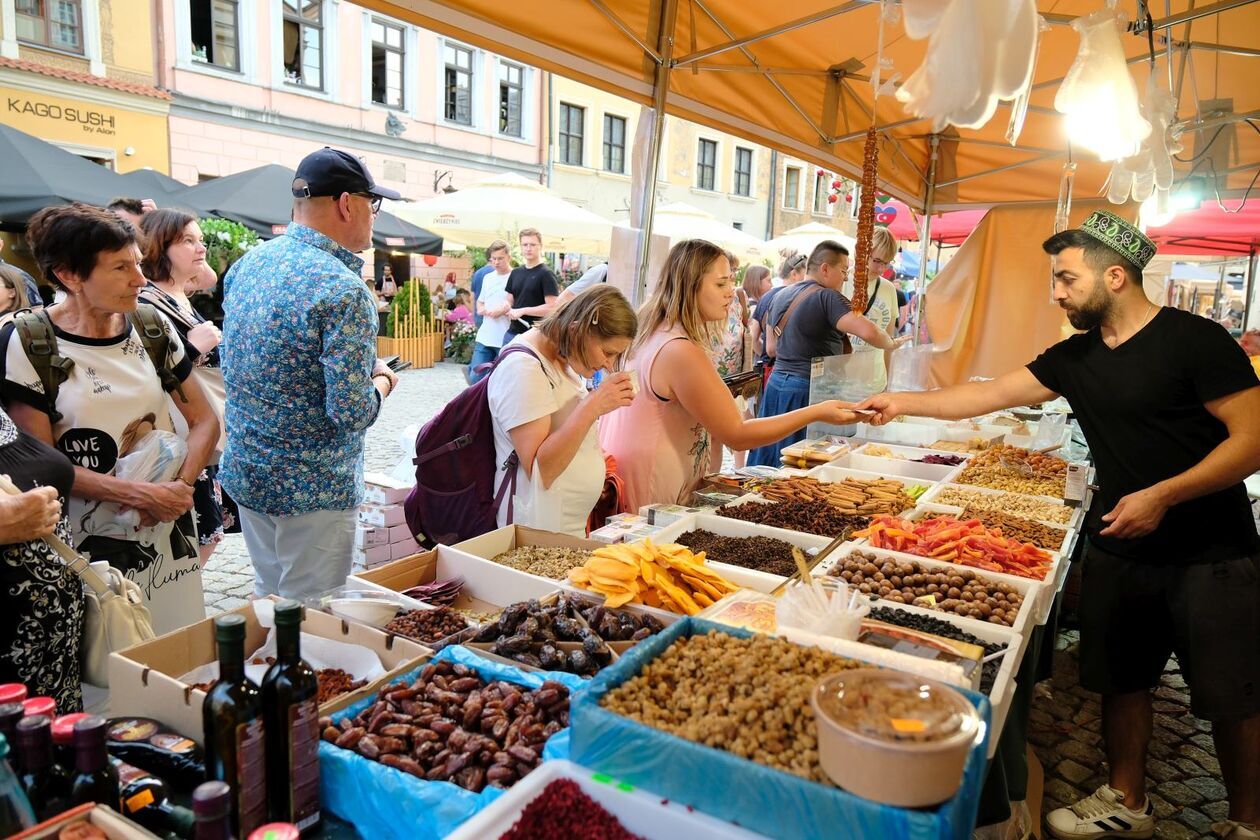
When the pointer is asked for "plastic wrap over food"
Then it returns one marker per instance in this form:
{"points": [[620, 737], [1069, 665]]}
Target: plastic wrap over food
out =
{"points": [[753, 796], [382, 802]]}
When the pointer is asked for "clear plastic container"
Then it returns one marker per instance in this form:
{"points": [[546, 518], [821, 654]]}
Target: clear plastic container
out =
{"points": [[15, 809]]}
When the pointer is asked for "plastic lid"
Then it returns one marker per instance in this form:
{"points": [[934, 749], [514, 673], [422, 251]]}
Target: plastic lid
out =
{"points": [[63, 728], [894, 706], [229, 628], [12, 693], [288, 612], [10, 714], [275, 831], [33, 731], [45, 706], [212, 801]]}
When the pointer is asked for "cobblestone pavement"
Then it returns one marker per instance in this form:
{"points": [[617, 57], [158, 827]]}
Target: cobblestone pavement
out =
{"points": [[1183, 775], [1185, 780], [228, 578]]}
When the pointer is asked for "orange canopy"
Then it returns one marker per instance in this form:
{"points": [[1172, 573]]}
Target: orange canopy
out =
{"points": [[795, 76]]}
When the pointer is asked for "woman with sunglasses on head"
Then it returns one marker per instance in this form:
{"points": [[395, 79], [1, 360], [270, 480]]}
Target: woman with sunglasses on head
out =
{"points": [[662, 441]]}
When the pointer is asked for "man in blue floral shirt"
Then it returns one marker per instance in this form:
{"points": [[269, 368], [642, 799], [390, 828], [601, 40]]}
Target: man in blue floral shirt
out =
{"points": [[303, 381]]}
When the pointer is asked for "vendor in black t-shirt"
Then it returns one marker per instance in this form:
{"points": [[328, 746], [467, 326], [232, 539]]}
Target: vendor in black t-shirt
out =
{"points": [[531, 288], [1171, 409]]}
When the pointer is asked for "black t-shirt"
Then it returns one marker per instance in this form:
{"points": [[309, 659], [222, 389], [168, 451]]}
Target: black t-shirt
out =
{"points": [[1141, 407], [530, 287], [811, 331]]}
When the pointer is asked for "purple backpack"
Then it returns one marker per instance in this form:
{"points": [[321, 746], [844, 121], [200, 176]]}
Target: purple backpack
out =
{"points": [[455, 498]]}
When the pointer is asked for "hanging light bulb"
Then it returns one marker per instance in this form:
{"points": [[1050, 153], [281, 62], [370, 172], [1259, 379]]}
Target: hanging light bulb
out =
{"points": [[1156, 211], [1098, 95]]}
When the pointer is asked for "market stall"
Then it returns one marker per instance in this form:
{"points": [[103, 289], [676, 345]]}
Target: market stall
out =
{"points": [[526, 679]]}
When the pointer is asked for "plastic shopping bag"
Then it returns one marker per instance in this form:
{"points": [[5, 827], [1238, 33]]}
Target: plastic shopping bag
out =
{"points": [[156, 457], [910, 367], [852, 378]]}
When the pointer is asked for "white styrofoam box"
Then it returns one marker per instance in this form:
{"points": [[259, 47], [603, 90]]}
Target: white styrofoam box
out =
{"points": [[1023, 624], [641, 812], [369, 557], [662, 515], [1064, 547], [727, 527], [382, 489], [836, 475], [484, 581], [901, 468], [916, 420], [905, 433], [1004, 685], [382, 516], [369, 536], [401, 533], [929, 498]]}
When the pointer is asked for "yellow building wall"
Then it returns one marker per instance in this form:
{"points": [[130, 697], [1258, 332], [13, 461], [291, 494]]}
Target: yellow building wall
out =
{"points": [[65, 119], [125, 33]]}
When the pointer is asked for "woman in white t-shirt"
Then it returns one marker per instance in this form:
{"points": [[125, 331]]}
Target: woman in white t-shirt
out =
{"points": [[492, 306], [111, 397], [881, 307], [543, 412]]}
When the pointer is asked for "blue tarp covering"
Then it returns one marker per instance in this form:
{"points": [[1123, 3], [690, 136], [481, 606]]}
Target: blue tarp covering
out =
{"points": [[719, 783], [382, 802]]}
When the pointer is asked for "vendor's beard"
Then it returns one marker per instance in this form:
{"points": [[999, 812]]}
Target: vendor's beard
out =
{"points": [[1092, 313]]}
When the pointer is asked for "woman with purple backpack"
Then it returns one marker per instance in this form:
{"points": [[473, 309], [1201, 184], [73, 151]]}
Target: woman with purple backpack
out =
{"points": [[542, 411]]}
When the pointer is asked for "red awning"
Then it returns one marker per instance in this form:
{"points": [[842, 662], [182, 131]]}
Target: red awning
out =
{"points": [[1211, 230]]}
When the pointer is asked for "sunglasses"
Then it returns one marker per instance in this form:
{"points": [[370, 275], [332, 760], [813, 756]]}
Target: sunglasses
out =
{"points": [[373, 200]]}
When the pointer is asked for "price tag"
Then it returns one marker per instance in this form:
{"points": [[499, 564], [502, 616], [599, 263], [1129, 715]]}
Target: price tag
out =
{"points": [[1077, 484]]}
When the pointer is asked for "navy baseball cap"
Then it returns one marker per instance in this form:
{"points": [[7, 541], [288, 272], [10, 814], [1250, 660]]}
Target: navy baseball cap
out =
{"points": [[331, 172]]}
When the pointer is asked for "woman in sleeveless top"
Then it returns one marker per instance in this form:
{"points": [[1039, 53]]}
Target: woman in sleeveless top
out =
{"points": [[662, 440]]}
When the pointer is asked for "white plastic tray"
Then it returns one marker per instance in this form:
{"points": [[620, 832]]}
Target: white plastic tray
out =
{"points": [[641, 812], [835, 475], [1074, 523], [904, 467], [1004, 685], [1023, 624], [727, 527]]}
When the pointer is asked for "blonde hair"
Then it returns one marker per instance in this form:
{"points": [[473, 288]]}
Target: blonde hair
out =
{"points": [[792, 260], [675, 300], [599, 312], [11, 278], [498, 245], [530, 232], [883, 244]]}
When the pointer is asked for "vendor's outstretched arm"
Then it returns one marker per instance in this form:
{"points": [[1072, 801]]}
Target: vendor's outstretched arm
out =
{"points": [[1235, 458], [1019, 387]]}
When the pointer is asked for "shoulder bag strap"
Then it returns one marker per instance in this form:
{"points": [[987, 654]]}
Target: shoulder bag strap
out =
{"points": [[76, 561], [39, 340], [772, 339], [157, 344], [507, 487]]}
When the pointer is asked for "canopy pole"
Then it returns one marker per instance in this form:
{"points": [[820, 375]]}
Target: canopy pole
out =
{"points": [[1218, 299], [925, 241], [660, 91], [1251, 284]]}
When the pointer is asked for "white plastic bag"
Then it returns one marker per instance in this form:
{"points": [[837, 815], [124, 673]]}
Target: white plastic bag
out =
{"points": [[156, 457], [910, 367]]}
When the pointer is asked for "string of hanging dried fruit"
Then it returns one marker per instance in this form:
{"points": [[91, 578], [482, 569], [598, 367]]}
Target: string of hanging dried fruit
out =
{"points": [[866, 218]]}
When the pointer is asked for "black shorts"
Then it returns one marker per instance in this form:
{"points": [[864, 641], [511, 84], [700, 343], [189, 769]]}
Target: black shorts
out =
{"points": [[1134, 615]]}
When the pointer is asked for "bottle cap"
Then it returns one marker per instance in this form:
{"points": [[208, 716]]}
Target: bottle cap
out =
{"points": [[45, 706], [229, 628], [288, 612], [89, 731], [10, 714], [212, 801], [63, 728], [34, 739], [12, 693]]}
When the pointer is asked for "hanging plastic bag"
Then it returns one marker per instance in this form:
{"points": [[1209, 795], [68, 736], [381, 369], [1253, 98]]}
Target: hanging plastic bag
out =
{"points": [[155, 458], [910, 367], [852, 378]]}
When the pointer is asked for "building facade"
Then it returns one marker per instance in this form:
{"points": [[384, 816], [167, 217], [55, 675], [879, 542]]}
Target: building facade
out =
{"points": [[73, 73], [802, 194], [592, 144]]}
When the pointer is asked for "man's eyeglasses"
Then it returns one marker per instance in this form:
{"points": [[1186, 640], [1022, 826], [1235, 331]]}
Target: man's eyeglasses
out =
{"points": [[373, 200]]}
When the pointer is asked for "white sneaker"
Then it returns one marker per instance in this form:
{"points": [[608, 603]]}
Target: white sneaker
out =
{"points": [[1230, 830], [1101, 814]]}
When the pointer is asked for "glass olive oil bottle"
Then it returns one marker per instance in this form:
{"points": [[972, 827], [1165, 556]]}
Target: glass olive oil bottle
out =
{"points": [[290, 692], [232, 716]]}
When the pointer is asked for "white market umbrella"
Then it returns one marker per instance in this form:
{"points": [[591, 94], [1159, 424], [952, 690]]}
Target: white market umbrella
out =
{"points": [[806, 237], [499, 206], [682, 221]]}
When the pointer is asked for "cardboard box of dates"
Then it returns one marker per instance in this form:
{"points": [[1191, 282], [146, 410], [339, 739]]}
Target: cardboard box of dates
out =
{"points": [[719, 782], [145, 679], [435, 745]]}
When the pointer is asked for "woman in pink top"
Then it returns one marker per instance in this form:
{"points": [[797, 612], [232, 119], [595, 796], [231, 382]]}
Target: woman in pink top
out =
{"points": [[662, 440]]}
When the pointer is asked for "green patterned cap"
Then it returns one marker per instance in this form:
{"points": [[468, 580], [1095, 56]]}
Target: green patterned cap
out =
{"points": [[1120, 236]]}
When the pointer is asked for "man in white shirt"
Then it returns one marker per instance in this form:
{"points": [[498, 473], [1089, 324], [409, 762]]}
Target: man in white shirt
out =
{"points": [[881, 307], [492, 305]]}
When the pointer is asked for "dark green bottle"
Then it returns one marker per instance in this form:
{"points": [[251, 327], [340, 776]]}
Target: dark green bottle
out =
{"points": [[290, 694], [234, 742]]}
